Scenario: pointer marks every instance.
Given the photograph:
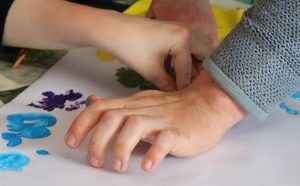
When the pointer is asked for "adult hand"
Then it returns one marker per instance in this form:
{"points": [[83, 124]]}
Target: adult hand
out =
{"points": [[195, 14], [182, 123]]}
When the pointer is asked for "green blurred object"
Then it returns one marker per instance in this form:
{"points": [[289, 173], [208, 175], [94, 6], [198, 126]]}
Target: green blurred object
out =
{"points": [[250, 2], [43, 58], [131, 79]]}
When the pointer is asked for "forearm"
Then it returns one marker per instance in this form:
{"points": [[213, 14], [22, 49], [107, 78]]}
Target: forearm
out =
{"points": [[258, 63], [54, 24]]}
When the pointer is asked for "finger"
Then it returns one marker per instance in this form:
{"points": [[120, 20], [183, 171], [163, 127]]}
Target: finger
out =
{"points": [[159, 150], [150, 12], [88, 118], [91, 99], [182, 61], [129, 137], [106, 128], [197, 67], [146, 93], [201, 45], [161, 79]]}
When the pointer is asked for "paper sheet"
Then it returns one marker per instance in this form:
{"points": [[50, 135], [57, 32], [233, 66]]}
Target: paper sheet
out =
{"points": [[250, 154]]}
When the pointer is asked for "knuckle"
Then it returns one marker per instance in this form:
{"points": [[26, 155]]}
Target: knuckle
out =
{"points": [[111, 115], [93, 146], [182, 33], [160, 149], [120, 149], [135, 122], [97, 105], [171, 134]]}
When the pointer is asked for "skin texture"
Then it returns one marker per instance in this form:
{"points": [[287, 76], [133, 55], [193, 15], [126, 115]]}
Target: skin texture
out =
{"points": [[181, 123], [142, 44], [195, 14]]}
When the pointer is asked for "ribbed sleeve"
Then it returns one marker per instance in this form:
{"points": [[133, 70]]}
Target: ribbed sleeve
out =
{"points": [[258, 64]]}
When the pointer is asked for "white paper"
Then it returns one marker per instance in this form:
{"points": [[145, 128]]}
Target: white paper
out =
{"points": [[250, 154]]}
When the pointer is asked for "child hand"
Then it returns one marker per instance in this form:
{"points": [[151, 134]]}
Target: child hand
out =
{"points": [[182, 123], [144, 45]]}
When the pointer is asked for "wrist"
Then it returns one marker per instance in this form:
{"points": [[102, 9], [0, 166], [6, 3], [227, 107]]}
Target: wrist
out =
{"points": [[107, 30], [220, 103]]}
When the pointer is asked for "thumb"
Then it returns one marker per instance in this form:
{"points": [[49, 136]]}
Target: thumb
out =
{"points": [[182, 61], [201, 45]]}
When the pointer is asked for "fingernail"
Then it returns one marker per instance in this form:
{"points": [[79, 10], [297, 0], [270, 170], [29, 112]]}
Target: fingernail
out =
{"points": [[94, 161], [148, 164], [117, 164], [71, 140], [87, 102]]}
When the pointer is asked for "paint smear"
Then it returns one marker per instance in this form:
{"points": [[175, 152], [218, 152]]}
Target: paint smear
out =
{"points": [[288, 109], [42, 152], [27, 125], [13, 161], [296, 96], [52, 101]]}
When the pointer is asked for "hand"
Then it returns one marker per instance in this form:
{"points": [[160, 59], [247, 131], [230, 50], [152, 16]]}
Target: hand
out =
{"points": [[145, 44], [140, 43], [195, 14], [182, 123]]}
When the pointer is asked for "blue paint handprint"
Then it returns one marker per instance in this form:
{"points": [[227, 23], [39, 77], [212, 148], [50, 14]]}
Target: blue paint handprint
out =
{"points": [[27, 125], [13, 161]]}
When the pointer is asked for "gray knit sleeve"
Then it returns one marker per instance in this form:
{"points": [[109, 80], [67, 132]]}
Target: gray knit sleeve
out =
{"points": [[258, 64]]}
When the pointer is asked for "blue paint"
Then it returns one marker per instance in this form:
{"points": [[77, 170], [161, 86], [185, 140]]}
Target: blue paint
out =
{"points": [[13, 139], [52, 101], [292, 111], [283, 106], [288, 109], [42, 152], [13, 161], [27, 125], [296, 96]]}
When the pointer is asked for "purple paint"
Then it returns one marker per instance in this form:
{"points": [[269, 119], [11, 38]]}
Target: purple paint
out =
{"points": [[51, 101]]}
